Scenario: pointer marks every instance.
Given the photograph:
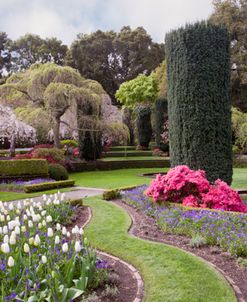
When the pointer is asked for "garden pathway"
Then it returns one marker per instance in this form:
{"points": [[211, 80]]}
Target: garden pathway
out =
{"points": [[78, 192]]}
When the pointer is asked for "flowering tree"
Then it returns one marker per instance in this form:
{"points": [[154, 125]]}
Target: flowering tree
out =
{"points": [[13, 129]]}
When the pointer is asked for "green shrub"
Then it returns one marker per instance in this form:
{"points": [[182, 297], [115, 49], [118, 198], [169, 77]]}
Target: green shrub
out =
{"points": [[143, 125], [57, 172], [197, 241], [160, 117], [23, 167], [69, 143], [51, 154], [111, 194], [199, 105], [49, 186]]}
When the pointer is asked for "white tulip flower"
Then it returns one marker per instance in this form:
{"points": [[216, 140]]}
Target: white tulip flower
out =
{"points": [[26, 248], [8, 218], [17, 230], [49, 218], [2, 218], [23, 229], [11, 207], [43, 213], [18, 212], [44, 197], [39, 225], [18, 205], [44, 259], [11, 261], [65, 247], [37, 240], [68, 234], [81, 232], [6, 239], [64, 231], [5, 229], [12, 239], [5, 248], [75, 230], [25, 217], [57, 240], [77, 246], [31, 240], [30, 223], [58, 227], [1, 230], [49, 232]]}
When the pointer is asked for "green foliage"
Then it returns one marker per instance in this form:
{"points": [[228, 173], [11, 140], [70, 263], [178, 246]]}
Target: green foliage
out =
{"points": [[142, 89], [69, 143], [160, 116], [57, 172], [239, 125], [233, 15], [118, 133], [159, 74], [199, 104], [112, 58], [49, 186], [23, 167], [55, 154], [197, 241], [144, 127], [111, 194]]}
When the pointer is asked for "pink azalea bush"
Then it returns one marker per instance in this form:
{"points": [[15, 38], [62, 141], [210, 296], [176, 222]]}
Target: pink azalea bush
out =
{"points": [[191, 188]]}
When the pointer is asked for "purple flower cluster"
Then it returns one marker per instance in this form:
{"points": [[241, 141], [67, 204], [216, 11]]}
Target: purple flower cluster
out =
{"points": [[225, 229], [33, 181]]}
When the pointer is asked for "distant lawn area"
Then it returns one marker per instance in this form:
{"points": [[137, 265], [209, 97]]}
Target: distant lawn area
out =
{"points": [[118, 178]]}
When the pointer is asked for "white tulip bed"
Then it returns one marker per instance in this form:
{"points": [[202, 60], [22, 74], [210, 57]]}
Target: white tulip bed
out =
{"points": [[39, 259]]}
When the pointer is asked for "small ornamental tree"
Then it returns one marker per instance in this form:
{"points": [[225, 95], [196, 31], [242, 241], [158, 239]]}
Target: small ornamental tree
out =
{"points": [[139, 94], [199, 104]]}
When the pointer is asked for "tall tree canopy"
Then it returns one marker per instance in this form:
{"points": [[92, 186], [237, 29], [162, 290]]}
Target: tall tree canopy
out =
{"points": [[112, 58], [5, 55], [31, 49], [233, 14]]}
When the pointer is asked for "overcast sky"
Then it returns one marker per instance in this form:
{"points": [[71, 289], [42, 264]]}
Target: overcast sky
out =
{"points": [[64, 19]]}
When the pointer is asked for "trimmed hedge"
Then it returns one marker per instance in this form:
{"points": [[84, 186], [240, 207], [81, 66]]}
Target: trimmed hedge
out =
{"points": [[49, 186], [160, 116], [23, 168], [199, 103], [128, 153], [114, 165]]}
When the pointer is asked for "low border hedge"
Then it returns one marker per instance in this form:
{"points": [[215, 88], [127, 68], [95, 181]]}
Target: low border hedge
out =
{"points": [[23, 168], [114, 165], [49, 186]]}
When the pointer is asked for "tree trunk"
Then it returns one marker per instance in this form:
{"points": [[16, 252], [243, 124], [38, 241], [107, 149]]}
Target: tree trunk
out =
{"points": [[56, 127], [12, 146]]}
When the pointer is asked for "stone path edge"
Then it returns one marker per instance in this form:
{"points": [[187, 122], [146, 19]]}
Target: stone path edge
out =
{"points": [[236, 289]]}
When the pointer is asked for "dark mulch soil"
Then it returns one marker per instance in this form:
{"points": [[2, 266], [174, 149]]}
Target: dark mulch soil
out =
{"points": [[146, 228], [126, 284]]}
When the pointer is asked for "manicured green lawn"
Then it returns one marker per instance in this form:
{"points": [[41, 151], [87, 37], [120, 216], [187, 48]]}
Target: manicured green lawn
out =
{"points": [[239, 178], [169, 274], [114, 178]]}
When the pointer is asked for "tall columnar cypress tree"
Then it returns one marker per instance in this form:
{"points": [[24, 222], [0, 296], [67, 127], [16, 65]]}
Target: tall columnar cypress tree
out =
{"points": [[143, 125], [198, 72], [160, 117]]}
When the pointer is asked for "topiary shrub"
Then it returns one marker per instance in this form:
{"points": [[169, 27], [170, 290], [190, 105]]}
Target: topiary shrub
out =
{"points": [[143, 125], [199, 106], [160, 117], [57, 172], [68, 143]]}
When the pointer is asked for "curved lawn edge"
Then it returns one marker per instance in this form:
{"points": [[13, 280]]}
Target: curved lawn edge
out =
{"points": [[169, 273]]}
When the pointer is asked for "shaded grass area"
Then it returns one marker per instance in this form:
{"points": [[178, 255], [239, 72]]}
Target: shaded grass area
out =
{"points": [[239, 178], [169, 274]]}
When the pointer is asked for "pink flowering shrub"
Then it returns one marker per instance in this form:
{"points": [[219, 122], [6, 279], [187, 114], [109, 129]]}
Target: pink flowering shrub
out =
{"points": [[191, 188]]}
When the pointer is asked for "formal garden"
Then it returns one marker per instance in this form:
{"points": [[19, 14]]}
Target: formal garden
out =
{"points": [[129, 191]]}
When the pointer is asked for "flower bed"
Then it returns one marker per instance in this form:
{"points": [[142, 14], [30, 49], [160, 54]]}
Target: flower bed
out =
{"points": [[225, 229], [39, 259]]}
